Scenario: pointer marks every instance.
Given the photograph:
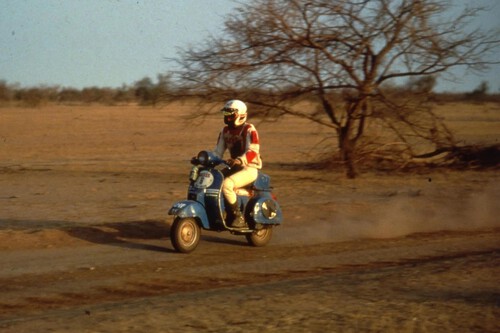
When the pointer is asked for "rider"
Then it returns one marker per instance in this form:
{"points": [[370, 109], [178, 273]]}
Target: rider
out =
{"points": [[242, 141]]}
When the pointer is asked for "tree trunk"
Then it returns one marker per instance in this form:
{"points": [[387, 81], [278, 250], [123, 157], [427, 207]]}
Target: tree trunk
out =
{"points": [[347, 152]]}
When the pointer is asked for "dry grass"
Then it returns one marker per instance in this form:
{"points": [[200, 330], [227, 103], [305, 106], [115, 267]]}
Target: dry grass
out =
{"points": [[84, 244]]}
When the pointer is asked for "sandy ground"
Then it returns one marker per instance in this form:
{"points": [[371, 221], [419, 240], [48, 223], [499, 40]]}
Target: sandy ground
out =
{"points": [[84, 235]]}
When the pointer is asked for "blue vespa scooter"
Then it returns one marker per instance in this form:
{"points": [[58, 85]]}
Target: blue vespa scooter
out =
{"points": [[204, 207]]}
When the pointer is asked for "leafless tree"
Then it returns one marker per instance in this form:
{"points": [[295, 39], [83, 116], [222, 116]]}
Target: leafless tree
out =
{"points": [[348, 56]]}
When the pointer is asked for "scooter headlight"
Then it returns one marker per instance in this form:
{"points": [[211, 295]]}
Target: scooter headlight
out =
{"points": [[203, 157]]}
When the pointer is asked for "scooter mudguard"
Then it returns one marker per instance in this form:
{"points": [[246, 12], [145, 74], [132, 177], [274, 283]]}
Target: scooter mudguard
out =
{"points": [[190, 208], [266, 211]]}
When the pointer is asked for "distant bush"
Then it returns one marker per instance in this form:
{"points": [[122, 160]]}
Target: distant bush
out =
{"points": [[480, 94], [35, 97], [6, 92], [152, 93]]}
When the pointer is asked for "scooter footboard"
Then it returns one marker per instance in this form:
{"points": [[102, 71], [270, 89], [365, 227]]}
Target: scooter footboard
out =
{"points": [[190, 208]]}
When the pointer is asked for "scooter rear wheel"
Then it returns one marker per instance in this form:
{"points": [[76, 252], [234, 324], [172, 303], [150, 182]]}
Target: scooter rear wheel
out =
{"points": [[185, 234], [260, 237]]}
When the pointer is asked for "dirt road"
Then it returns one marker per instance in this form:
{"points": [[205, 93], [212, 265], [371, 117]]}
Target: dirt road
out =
{"points": [[445, 282]]}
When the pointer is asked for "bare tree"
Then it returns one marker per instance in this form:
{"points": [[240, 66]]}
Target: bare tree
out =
{"points": [[348, 55]]}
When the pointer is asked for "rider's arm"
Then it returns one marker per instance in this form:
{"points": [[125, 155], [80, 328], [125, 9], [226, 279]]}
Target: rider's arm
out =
{"points": [[251, 154], [220, 147]]}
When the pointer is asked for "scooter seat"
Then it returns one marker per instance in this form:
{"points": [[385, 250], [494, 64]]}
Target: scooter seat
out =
{"points": [[262, 183]]}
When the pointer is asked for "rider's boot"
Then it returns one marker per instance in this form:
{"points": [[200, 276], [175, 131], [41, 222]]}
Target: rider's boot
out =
{"points": [[236, 217]]}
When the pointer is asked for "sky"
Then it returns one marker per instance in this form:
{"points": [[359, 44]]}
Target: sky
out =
{"points": [[110, 43]]}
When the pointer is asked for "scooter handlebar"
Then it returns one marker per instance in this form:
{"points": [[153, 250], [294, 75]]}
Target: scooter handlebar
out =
{"points": [[207, 158]]}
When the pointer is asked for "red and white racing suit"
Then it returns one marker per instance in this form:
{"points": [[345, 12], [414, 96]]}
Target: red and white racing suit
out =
{"points": [[243, 144]]}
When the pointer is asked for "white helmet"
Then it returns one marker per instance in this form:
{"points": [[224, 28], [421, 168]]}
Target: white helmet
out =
{"points": [[235, 113]]}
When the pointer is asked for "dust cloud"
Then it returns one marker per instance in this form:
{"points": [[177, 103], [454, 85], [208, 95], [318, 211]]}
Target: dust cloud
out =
{"points": [[400, 215]]}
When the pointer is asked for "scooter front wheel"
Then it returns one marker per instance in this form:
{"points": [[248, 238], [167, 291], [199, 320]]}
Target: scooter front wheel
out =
{"points": [[185, 234], [260, 237]]}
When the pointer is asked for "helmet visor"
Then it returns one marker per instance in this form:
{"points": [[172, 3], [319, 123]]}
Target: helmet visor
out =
{"points": [[230, 115], [229, 111]]}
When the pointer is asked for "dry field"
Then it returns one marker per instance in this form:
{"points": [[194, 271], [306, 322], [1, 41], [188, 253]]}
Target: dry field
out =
{"points": [[84, 235]]}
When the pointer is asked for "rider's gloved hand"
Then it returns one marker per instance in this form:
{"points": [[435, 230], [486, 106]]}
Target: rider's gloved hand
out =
{"points": [[234, 162]]}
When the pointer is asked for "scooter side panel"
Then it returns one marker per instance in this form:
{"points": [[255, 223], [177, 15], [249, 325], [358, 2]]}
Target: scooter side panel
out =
{"points": [[266, 210], [190, 208]]}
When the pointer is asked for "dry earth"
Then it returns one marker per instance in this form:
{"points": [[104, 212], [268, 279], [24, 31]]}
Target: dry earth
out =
{"points": [[84, 235]]}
